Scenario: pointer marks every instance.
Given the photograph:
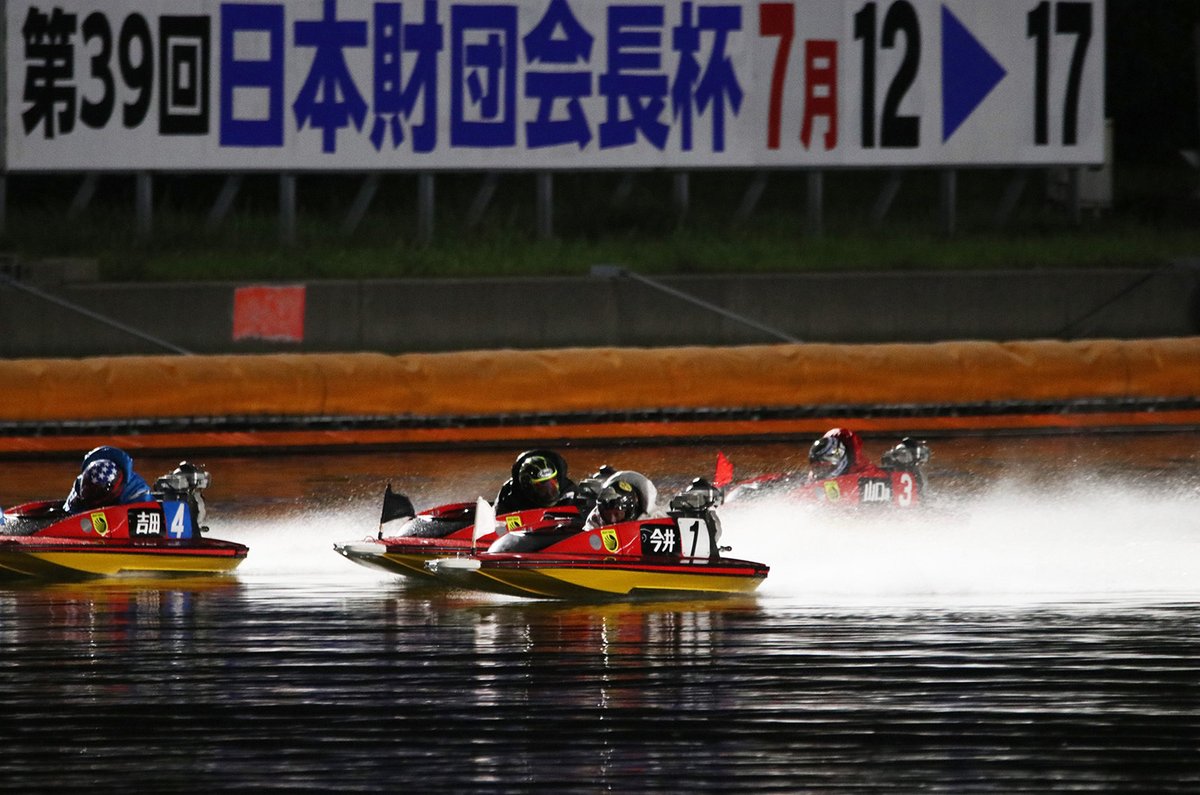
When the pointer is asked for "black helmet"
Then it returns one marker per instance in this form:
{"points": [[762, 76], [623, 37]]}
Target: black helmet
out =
{"points": [[539, 478], [619, 502]]}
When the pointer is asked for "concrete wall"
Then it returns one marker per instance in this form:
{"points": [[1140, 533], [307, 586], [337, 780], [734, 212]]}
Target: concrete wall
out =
{"points": [[426, 315]]}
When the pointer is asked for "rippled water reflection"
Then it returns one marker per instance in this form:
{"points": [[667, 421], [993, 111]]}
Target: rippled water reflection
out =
{"points": [[1029, 639], [265, 684]]}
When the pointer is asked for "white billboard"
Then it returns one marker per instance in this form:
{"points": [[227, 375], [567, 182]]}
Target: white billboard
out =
{"points": [[350, 85]]}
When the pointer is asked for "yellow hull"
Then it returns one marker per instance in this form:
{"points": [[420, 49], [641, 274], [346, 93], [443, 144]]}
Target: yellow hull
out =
{"points": [[560, 579], [375, 556], [408, 565], [566, 582], [413, 565], [110, 563], [464, 572]]}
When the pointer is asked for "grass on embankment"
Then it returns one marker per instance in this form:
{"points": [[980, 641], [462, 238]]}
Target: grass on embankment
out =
{"points": [[1150, 224]]}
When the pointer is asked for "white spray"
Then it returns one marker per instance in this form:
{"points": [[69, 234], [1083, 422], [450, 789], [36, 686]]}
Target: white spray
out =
{"points": [[1096, 540]]}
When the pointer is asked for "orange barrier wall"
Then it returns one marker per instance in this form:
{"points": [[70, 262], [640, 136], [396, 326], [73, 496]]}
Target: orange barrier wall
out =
{"points": [[504, 382]]}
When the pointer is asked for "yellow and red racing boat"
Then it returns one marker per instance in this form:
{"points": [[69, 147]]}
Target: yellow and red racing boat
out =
{"points": [[458, 529], [678, 555], [160, 535]]}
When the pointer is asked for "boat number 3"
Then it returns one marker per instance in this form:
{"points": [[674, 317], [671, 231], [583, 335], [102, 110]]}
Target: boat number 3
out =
{"points": [[905, 497]]}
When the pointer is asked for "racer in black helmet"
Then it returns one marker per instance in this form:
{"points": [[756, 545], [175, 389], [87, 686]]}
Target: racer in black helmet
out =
{"points": [[618, 502], [539, 480]]}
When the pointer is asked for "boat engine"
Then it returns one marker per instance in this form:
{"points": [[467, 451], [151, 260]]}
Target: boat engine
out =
{"points": [[185, 483], [699, 501], [910, 455], [699, 497]]}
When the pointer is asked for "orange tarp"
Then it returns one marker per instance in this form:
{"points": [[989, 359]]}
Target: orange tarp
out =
{"points": [[584, 380]]}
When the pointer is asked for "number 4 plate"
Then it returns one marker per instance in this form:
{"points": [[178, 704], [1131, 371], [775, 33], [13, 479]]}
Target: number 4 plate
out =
{"points": [[179, 520]]}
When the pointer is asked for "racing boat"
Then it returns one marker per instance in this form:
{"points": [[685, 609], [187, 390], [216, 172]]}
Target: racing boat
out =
{"points": [[451, 530], [158, 536], [898, 481], [678, 555]]}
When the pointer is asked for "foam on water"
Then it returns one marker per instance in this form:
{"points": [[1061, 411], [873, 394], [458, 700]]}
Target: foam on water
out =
{"points": [[1095, 540], [301, 543]]}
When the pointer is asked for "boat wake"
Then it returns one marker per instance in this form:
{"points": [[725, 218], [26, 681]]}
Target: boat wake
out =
{"points": [[1016, 543], [300, 545], [1095, 541]]}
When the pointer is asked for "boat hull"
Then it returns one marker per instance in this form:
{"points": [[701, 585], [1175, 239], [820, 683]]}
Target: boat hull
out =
{"points": [[448, 531], [407, 558], [428, 564], [159, 535], [50, 558], [567, 578]]}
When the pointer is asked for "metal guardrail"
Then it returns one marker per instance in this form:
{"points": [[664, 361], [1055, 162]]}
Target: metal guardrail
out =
{"points": [[1077, 326], [9, 281], [616, 272], [142, 220]]}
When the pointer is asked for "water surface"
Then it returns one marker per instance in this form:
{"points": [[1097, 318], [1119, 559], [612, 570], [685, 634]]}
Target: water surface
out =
{"points": [[1035, 629]]}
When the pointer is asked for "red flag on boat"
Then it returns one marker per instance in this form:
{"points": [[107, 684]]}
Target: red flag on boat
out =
{"points": [[724, 475]]}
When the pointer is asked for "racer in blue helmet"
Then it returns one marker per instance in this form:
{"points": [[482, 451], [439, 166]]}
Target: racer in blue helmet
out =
{"points": [[106, 477]]}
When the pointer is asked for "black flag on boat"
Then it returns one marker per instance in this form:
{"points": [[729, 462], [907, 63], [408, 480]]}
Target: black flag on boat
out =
{"points": [[395, 506]]}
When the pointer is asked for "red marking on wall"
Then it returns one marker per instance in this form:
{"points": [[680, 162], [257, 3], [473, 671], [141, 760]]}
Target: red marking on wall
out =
{"points": [[269, 313]]}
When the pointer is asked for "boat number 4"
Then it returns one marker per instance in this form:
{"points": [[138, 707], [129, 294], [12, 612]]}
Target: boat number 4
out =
{"points": [[179, 521]]}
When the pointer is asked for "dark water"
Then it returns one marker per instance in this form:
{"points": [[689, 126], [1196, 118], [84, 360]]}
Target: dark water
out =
{"points": [[1035, 630]]}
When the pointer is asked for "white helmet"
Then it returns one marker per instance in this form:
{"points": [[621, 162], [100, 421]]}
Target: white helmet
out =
{"points": [[629, 494]]}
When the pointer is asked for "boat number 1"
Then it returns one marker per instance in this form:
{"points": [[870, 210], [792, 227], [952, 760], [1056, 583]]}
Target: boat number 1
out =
{"points": [[694, 533]]}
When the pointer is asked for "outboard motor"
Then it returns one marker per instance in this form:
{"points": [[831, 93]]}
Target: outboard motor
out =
{"points": [[694, 510], [910, 455], [587, 491], [185, 483]]}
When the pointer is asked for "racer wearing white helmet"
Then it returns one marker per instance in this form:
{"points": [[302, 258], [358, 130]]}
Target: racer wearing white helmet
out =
{"points": [[626, 495]]}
